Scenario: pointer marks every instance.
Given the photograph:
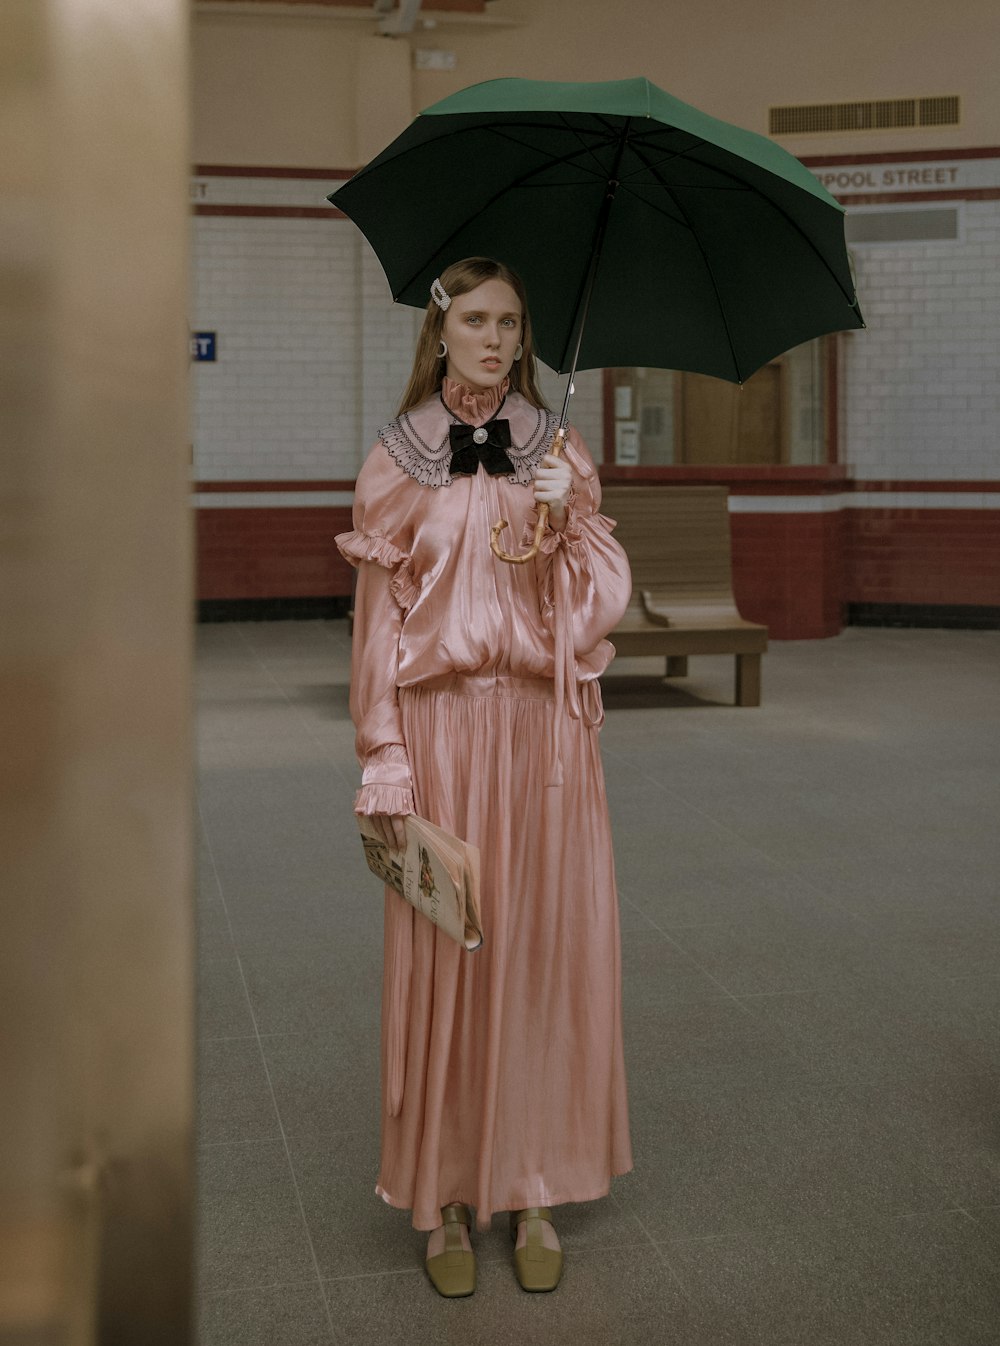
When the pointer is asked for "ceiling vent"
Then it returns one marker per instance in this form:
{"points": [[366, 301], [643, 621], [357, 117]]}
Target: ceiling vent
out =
{"points": [[877, 115]]}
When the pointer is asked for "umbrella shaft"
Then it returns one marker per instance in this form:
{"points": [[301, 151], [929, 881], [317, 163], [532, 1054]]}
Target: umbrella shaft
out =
{"points": [[583, 306]]}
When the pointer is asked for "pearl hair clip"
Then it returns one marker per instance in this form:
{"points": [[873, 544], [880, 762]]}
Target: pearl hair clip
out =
{"points": [[440, 296]]}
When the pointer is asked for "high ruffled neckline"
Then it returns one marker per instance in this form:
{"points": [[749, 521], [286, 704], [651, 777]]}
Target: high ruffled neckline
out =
{"points": [[470, 406]]}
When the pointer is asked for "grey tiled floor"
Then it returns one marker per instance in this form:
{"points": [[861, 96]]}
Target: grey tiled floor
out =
{"points": [[811, 934]]}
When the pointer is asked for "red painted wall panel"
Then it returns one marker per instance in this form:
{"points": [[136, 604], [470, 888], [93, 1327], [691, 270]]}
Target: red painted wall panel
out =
{"points": [[787, 572], [923, 556], [271, 552], [794, 572]]}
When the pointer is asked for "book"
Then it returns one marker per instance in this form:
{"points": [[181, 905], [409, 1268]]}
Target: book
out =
{"points": [[436, 873]]}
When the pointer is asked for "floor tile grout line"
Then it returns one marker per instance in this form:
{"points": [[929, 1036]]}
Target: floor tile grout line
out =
{"points": [[375, 1275], [657, 1248], [854, 916], [206, 1295], [270, 1085], [314, 738], [704, 971], [718, 826], [796, 1051], [683, 800], [806, 1227], [288, 1155]]}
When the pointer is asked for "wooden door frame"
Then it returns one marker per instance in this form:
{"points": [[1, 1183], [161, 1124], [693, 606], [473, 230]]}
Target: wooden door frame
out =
{"points": [[680, 398]]}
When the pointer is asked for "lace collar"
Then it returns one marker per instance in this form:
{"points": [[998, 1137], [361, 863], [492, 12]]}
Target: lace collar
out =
{"points": [[418, 441]]}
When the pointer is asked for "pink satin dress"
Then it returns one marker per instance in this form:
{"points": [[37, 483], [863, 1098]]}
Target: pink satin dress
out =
{"points": [[475, 696]]}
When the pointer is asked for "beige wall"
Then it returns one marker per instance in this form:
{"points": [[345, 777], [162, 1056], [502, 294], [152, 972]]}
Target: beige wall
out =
{"points": [[273, 91], [278, 88], [96, 975]]}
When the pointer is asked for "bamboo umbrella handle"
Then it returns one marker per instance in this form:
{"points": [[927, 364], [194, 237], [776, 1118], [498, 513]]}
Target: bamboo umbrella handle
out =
{"points": [[558, 441]]}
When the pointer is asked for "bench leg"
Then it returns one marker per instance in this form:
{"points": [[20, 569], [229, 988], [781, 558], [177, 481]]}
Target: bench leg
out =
{"points": [[748, 679], [677, 665]]}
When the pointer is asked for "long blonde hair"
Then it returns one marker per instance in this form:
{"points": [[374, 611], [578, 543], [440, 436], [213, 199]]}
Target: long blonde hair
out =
{"points": [[429, 367]]}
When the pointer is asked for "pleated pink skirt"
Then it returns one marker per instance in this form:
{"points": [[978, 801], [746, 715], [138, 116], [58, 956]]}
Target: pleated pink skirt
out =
{"points": [[503, 1081]]}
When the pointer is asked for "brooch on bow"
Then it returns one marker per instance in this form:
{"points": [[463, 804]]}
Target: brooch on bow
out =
{"points": [[486, 444]]}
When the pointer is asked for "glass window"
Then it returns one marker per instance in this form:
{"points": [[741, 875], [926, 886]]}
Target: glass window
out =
{"points": [[663, 417]]}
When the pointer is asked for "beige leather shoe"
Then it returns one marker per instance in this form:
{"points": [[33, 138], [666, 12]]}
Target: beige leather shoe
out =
{"points": [[536, 1267], [453, 1272]]}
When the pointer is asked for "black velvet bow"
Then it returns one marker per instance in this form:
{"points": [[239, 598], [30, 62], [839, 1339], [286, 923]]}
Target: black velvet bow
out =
{"points": [[466, 454]]}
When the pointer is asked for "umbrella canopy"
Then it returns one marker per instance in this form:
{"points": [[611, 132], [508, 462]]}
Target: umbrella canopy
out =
{"points": [[717, 249]]}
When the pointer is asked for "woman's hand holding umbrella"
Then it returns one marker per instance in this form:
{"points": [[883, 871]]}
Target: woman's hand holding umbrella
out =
{"points": [[553, 483]]}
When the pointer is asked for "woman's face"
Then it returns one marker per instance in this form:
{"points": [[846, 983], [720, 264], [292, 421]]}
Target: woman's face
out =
{"points": [[481, 330]]}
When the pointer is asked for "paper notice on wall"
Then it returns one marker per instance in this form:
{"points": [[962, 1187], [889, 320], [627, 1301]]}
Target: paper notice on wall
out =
{"points": [[623, 402], [627, 442]]}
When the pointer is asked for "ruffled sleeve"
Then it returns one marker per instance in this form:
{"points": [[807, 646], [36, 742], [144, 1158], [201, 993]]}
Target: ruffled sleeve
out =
{"points": [[386, 589], [582, 560], [356, 547]]}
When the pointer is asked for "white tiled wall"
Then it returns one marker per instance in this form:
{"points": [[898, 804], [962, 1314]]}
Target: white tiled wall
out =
{"points": [[922, 384], [282, 400], [312, 355]]}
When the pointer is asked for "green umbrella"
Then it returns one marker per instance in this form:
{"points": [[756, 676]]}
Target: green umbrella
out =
{"points": [[721, 250], [646, 232]]}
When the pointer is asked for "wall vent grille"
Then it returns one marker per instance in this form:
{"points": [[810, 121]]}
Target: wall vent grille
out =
{"points": [[875, 115], [919, 225]]}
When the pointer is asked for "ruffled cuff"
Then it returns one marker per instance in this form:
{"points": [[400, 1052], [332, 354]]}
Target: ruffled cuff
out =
{"points": [[387, 771], [386, 785], [379, 798], [356, 547]]}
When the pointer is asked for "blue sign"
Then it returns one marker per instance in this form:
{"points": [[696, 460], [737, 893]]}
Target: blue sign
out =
{"points": [[202, 345]]}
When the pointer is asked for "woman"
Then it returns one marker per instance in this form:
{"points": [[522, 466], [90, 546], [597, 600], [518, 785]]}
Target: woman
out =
{"points": [[475, 697]]}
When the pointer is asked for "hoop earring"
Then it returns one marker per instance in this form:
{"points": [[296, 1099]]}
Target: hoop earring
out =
{"points": [[442, 349], [519, 351]]}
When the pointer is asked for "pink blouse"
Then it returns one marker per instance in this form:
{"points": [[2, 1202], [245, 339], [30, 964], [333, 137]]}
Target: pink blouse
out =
{"points": [[433, 599]]}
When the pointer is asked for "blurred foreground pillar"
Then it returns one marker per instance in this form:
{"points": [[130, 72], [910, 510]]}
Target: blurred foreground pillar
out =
{"points": [[96, 992]]}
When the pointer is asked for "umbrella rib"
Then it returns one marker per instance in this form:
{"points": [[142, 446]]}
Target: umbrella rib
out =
{"points": [[576, 131], [688, 187], [547, 186], [507, 187], [552, 158], [448, 131], [596, 247], [648, 142], [708, 267], [851, 299], [643, 142], [653, 205]]}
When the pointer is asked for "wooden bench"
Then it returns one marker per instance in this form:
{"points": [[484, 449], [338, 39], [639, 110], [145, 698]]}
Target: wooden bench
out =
{"points": [[678, 544]]}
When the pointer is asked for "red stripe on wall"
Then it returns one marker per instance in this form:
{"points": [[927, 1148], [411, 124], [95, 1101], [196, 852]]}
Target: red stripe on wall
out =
{"points": [[240, 171], [444, 6], [890, 198], [976, 487], [760, 480], [274, 212], [902, 157], [311, 485]]}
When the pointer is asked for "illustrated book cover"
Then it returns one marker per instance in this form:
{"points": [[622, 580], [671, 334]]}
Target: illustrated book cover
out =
{"points": [[437, 873]]}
